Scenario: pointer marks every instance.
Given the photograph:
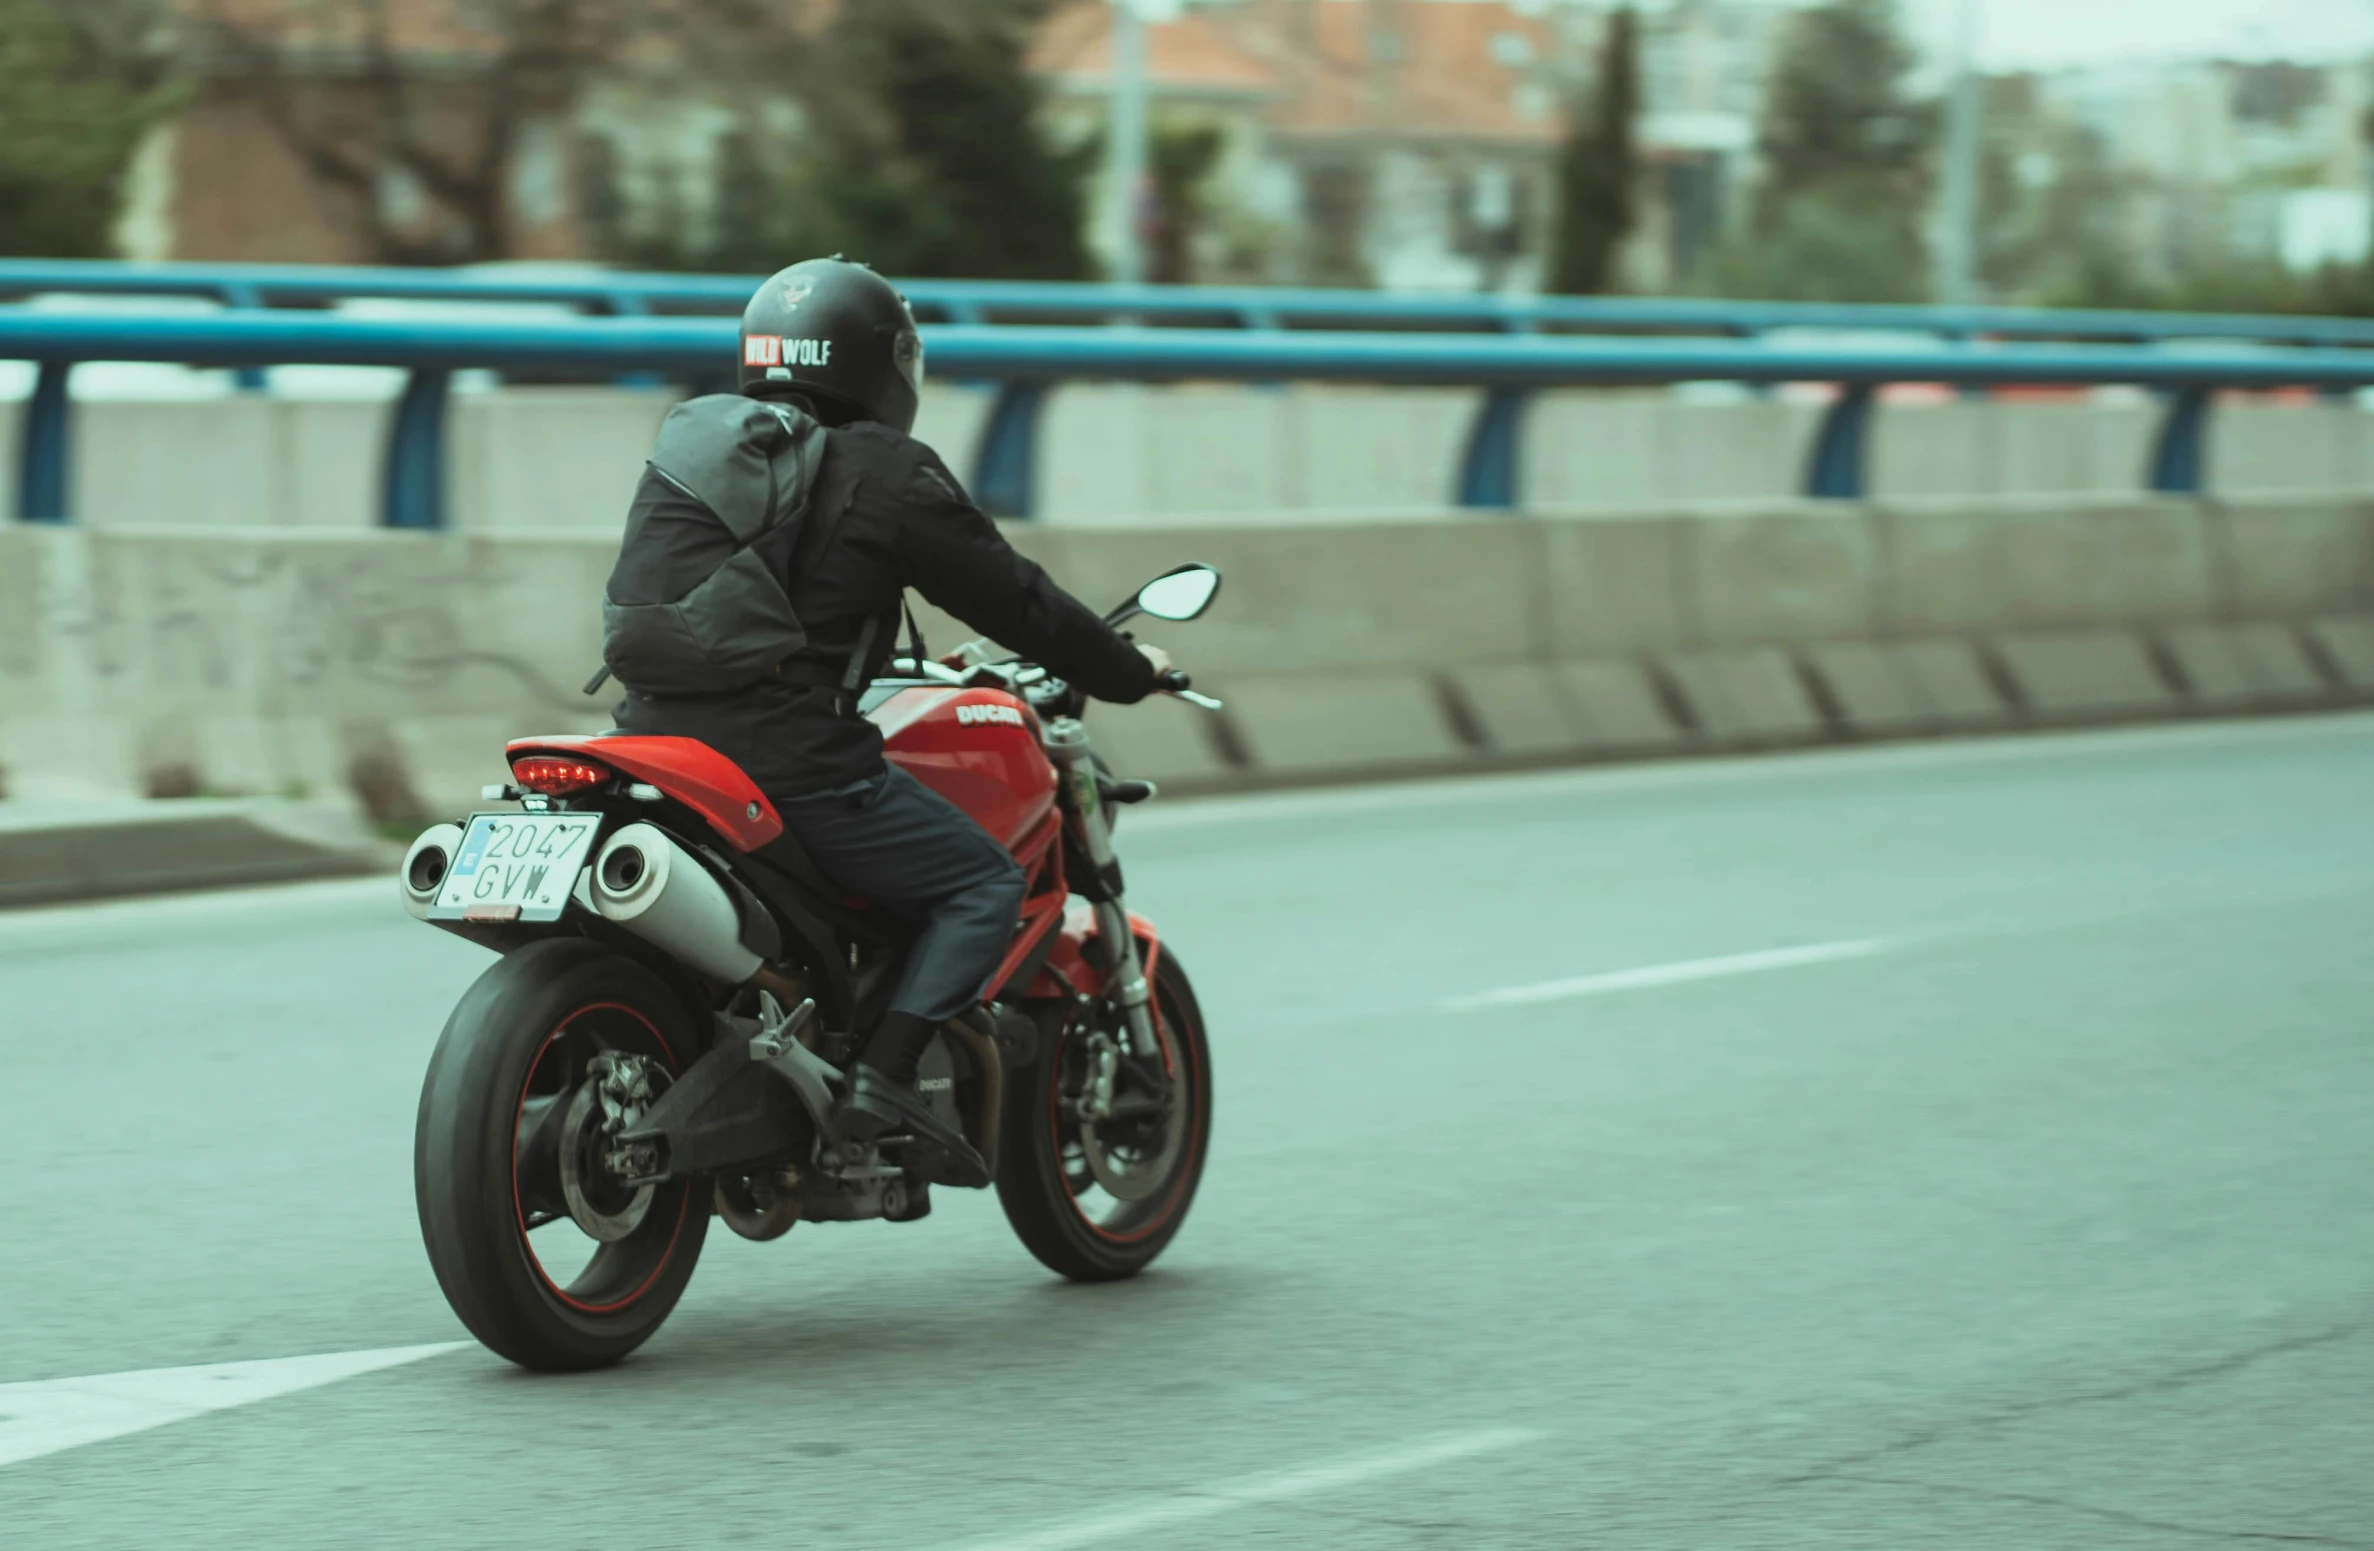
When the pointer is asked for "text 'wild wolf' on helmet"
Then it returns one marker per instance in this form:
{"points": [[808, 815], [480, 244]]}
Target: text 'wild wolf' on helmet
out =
{"points": [[836, 332]]}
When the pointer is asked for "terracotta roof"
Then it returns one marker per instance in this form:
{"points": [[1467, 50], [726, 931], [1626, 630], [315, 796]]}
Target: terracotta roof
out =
{"points": [[1399, 68], [1184, 55]]}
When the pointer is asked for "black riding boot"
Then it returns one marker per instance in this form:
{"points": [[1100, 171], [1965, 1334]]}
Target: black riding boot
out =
{"points": [[882, 1103]]}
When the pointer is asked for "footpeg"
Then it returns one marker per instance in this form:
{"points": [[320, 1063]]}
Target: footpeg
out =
{"points": [[878, 1110]]}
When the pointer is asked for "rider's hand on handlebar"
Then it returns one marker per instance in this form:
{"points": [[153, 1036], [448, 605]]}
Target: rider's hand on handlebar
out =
{"points": [[1158, 657]]}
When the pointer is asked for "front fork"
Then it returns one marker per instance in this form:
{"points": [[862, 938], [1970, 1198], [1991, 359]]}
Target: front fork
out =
{"points": [[1067, 744]]}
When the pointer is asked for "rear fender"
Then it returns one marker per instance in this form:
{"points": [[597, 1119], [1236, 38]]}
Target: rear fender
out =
{"points": [[1070, 971]]}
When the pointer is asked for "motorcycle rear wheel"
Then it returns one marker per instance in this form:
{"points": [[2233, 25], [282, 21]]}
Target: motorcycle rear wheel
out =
{"points": [[1045, 1183], [517, 1044]]}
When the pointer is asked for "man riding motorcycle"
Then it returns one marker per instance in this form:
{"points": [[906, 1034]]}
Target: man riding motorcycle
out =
{"points": [[833, 346]]}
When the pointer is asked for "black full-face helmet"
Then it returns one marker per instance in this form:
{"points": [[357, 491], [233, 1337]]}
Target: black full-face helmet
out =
{"points": [[837, 333]]}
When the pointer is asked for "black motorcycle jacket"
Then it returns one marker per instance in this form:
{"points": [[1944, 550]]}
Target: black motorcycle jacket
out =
{"points": [[899, 519]]}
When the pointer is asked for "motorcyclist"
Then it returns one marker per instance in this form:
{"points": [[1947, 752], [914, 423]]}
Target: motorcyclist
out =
{"points": [[837, 341]]}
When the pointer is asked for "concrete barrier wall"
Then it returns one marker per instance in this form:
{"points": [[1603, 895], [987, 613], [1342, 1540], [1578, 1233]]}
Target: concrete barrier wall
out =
{"points": [[1624, 450], [1120, 451], [566, 458], [2010, 447], [542, 458], [2259, 446], [388, 668]]}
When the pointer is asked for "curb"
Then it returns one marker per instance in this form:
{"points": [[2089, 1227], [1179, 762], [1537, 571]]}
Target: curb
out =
{"points": [[55, 854]]}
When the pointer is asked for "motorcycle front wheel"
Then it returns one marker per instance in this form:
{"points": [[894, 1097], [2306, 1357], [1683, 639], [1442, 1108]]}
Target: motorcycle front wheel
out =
{"points": [[1096, 1196], [549, 1258]]}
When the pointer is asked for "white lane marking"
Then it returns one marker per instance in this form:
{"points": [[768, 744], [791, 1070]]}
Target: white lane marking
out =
{"points": [[1668, 974], [43, 1416], [1306, 1481]]}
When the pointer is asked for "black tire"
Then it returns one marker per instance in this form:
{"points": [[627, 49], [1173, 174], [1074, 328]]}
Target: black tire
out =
{"points": [[1039, 1182], [554, 996]]}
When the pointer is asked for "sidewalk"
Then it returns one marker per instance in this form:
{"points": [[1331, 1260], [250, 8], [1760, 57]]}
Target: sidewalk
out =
{"points": [[56, 851]]}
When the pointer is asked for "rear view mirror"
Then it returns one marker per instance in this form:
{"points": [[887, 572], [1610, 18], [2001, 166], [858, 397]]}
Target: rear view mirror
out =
{"points": [[1182, 594]]}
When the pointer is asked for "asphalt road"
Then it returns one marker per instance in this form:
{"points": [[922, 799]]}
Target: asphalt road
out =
{"points": [[1968, 1145]]}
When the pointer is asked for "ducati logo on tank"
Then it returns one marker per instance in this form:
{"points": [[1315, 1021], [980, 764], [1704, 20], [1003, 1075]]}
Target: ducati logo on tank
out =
{"points": [[777, 350], [983, 715]]}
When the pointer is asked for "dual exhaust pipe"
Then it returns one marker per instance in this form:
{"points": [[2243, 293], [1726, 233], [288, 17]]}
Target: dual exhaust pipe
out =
{"points": [[641, 880]]}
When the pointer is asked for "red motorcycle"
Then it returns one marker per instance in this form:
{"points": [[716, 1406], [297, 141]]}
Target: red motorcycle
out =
{"points": [[678, 994]]}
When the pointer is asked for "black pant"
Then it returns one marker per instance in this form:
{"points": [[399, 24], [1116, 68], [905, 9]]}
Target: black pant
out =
{"points": [[913, 853]]}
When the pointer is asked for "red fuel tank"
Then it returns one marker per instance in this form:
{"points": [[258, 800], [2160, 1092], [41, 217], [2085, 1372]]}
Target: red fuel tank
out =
{"points": [[979, 748]]}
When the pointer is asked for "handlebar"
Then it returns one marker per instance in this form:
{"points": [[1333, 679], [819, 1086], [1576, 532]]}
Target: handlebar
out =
{"points": [[1042, 689], [1176, 682]]}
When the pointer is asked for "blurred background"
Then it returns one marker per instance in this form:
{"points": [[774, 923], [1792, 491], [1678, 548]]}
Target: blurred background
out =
{"points": [[1774, 889], [2208, 154]]}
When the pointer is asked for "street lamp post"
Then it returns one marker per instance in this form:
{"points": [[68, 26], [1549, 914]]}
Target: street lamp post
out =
{"points": [[1125, 145], [1957, 245]]}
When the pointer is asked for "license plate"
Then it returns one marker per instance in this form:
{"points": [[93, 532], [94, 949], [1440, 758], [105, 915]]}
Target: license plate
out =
{"points": [[524, 862]]}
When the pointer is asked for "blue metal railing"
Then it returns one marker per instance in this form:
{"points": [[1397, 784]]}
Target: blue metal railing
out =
{"points": [[627, 294], [1026, 358]]}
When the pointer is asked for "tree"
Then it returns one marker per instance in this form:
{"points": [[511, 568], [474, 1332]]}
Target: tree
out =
{"points": [[71, 115], [1846, 154], [928, 156], [902, 131], [1597, 168], [415, 135], [1180, 160]]}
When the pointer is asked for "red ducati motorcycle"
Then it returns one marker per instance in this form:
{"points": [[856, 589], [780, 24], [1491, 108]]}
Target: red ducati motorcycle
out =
{"points": [[663, 1038]]}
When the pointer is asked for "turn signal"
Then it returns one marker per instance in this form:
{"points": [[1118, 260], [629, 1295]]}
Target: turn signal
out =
{"points": [[556, 777]]}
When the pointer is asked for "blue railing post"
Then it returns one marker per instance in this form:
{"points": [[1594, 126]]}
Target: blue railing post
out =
{"points": [[244, 297], [1836, 472], [45, 449], [1491, 470], [1006, 469], [415, 475], [2179, 460]]}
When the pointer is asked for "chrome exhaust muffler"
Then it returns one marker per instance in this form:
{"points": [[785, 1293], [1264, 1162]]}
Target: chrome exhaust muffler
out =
{"points": [[648, 884], [426, 865], [423, 874]]}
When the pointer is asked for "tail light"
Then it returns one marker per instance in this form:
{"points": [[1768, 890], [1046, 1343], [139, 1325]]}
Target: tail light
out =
{"points": [[554, 776]]}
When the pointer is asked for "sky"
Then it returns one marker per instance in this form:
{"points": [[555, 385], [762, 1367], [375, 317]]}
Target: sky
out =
{"points": [[2034, 34], [2028, 34]]}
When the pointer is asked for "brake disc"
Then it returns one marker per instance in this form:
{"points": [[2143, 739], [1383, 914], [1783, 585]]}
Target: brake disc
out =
{"points": [[598, 1203], [1134, 1176]]}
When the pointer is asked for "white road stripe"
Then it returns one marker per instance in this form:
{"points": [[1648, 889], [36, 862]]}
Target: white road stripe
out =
{"points": [[1668, 974], [43, 1416], [1306, 1481]]}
